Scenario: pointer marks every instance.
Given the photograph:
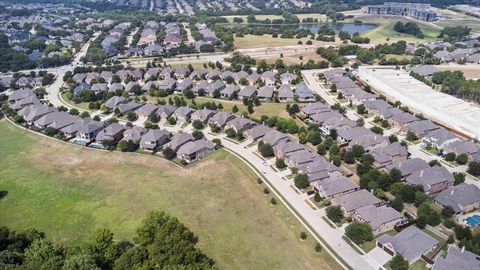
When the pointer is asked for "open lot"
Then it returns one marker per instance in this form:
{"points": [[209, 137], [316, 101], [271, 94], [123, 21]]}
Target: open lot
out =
{"points": [[252, 41], [385, 30], [68, 191], [293, 59], [469, 71]]}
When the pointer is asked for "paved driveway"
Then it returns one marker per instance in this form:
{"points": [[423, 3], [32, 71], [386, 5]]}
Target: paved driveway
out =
{"points": [[379, 255]]}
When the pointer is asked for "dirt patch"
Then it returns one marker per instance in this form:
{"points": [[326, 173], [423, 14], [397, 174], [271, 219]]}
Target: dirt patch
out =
{"points": [[470, 72]]}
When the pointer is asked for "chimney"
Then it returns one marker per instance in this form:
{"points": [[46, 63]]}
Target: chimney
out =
{"points": [[421, 173], [463, 249], [452, 192]]}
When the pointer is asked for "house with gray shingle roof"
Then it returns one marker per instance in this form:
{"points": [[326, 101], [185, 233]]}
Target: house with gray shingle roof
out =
{"points": [[33, 112], [439, 138], [228, 91], [354, 200], [458, 259], [462, 198], [337, 123], [300, 159], [99, 87], [286, 148], [269, 78], [304, 93], [411, 243], [202, 115], [127, 107], [316, 107], [381, 219], [154, 139], [134, 134], [178, 140], [287, 78], [321, 117], [220, 119], [253, 78], [18, 95], [265, 93], [335, 186], [146, 110], [285, 93], [184, 84], [30, 100], [256, 132], [239, 124], [88, 130], [116, 87], [370, 142], [433, 179], [389, 154], [274, 137], [409, 166], [320, 168], [462, 147], [114, 101], [58, 117], [402, 119], [247, 92], [183, 114], [422, 127], [195, 150], [113, 132], [165, 111]]}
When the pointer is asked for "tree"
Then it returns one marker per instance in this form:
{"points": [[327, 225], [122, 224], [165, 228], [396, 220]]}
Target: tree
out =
{"points": [[450, 156], [397, 203], [411, 136], [377, 130], [349, 157], [314, 137], [420, 198], [273, 201], [395, 175], [359, 232], [335, 213], [432, 217], [462, 159], [230, 132], [266, 150], [321, 149], [334, 149], [447, 212], [127, 146], [197, 134], [317, 198], [235, 108], [168, 153], [361, 109], [280, 163], [398, 263], [357, 150], [318, 247], [303, 235], [474, 168], [301, 181], [197, 124]]}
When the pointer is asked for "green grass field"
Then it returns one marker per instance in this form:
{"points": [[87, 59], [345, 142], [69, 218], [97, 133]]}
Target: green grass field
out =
{"points": [[68, 191], [380, 34], [253, 41]]}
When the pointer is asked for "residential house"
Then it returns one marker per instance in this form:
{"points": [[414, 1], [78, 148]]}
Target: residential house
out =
{"points": [[183, 114], [381, 219], [220, 119], [33, 112], [411, 243], [124, 108], [247, 92], [165, 111], [316, 107], [287, 148], [300, 159], [433, 179], [239, 124], [402, 120], [154, 139], [269, 78], [178, 140], [134, 134], [116, 88], [285, 94], [113, 133], [99, 87], [146, 110], [462, 147], [256, 132], [229, 90], [461, 198], [88, 130], [409, 166], [20, 95], [274, 137], [202, 115], [422, 127], [114, 101], [195, 150], [304, 93], [333, 187], [287, 78], [439, 138], [265, 93], [458, 259], [389, 154], [352, 201]]}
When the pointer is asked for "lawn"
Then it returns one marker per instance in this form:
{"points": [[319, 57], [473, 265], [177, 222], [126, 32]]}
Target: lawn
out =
{"points": [[253, 41], [380, 33], [81, 105], [68, 191]]}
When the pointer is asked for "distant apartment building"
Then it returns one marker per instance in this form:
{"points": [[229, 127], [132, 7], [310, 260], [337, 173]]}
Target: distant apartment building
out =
{"points": [[413, 10]]}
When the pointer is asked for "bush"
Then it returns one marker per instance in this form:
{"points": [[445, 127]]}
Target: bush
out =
{"points": [[318, 247], [335, 213], [349, 157], [398, 263], [447, 212], [359, 232], [197, 124], [265, 149], [303, 235], [168, 153], [266, 191], [301, 181], [450, 156], [317, 198], [462, 159], [474, 168], [127, 146], [273, 201], [280, 163]]}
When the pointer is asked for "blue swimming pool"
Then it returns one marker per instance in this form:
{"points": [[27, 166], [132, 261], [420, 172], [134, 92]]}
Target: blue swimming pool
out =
{"points": [[473, 221]]}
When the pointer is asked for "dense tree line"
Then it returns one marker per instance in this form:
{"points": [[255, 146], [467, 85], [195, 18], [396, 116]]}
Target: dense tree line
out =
{"points": [[456, 33], [410, 28], [162, 242]]}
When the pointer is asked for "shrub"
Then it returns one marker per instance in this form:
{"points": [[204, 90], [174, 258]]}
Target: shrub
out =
{"points": [[266, 191], [398, 263], [301, 181], [168, 153], [303, 235], [318, 247], [280, 163], [273, 201], [359, 232], [335, 213], [462, 159], [450, 156]]}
